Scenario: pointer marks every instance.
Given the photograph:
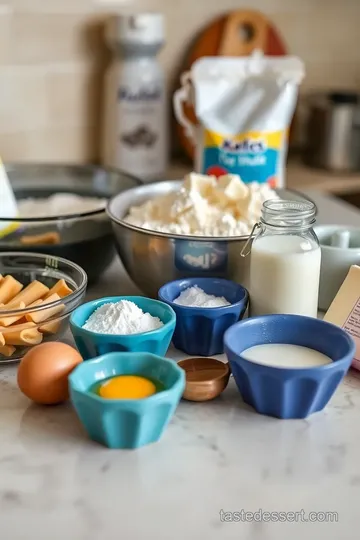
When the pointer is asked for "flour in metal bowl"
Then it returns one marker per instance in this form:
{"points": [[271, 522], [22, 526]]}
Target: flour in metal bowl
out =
{"points": [[204, 206]]}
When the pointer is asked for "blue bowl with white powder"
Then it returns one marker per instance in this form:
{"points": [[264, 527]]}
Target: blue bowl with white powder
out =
{"points": [[209, 306], [122, 323]]}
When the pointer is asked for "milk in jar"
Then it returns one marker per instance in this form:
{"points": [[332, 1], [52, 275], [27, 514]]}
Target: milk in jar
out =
{"points": [[285, 260]]}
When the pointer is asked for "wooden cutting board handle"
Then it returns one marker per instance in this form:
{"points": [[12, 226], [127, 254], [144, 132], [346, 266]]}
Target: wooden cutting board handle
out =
{"points": [[243, 33]]}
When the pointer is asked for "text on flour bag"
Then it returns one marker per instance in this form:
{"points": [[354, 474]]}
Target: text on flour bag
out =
{"points": [[244, 107]]}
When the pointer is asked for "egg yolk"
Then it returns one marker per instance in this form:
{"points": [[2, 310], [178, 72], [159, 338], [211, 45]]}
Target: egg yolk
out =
{"points": [[127, 387]]}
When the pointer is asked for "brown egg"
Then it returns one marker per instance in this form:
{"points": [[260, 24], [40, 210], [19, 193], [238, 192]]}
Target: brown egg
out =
{"points": [[43, 372]]}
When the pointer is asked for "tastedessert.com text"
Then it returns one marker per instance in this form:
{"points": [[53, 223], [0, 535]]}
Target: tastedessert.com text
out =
{"points": [[278, 517]]}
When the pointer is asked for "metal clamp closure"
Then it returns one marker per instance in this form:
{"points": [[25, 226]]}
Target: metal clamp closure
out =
{"points": [[242, 252]]}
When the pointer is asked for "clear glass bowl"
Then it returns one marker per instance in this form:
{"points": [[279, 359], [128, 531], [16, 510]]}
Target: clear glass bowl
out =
{"points": [[27, 267], [85, 238]]}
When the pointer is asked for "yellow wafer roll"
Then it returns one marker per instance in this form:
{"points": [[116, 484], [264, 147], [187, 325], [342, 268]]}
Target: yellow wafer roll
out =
{"points": [[7, 350], [2, 339], [9, 288], [45, 238], [3, 307], [18, 327], [22, 334], [32, 292], [50, 327], [36, 303], [22, 318], [61, 288], [43, 315], [7, 321], [28, 336]]}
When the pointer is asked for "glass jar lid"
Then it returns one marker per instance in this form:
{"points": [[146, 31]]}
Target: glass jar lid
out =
{"points": [[293, 214]]}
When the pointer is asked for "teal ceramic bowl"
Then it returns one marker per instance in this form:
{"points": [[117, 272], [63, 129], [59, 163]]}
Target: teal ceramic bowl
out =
{"points": [[130, 423], [91, 344]]}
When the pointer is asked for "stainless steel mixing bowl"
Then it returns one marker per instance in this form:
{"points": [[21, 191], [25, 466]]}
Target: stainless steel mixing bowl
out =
{"points": [[153, 258]]}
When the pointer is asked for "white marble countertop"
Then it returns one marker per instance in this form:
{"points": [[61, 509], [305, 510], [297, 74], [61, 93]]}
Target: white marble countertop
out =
{"points": [[215, 457]]}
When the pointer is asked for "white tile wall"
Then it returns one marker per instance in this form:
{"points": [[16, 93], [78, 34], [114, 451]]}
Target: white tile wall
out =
{"points": [[52, 58]]}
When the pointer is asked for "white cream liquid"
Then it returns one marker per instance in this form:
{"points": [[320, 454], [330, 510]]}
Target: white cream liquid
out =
{"points": [[284, 275], [286, 356]]}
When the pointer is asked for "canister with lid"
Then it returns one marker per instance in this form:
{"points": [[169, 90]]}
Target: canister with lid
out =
{"points": [[285, 260], [333, 132], [135, 123]]}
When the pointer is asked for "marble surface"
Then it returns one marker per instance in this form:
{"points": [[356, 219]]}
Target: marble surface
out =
{"points": [[215, 457]]}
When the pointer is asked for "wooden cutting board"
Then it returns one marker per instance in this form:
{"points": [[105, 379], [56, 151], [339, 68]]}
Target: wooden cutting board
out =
{"points": [[238, 33]]}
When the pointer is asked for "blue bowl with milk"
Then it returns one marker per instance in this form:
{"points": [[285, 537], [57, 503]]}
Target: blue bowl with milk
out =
{"points": [[281, 380], [200, 330]]}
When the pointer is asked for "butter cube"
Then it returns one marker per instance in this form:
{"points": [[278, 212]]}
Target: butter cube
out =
{"points": [[344, 310], [233, 187], [200, 183], [219, 199]]}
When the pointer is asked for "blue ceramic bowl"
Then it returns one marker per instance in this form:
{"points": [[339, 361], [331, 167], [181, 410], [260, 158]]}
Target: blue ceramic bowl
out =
{"points": [[91, 344], [200, 331], [127, 423], [288, 392]]}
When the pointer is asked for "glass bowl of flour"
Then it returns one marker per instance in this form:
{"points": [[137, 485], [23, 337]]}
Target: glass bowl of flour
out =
{"points": [[61, 212]]}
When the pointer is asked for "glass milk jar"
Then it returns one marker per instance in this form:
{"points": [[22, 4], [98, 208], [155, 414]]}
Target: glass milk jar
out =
{"points": [[285, 260]]}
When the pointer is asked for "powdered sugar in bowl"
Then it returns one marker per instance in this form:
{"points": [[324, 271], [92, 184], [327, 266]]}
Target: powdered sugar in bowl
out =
{"points": [[205, 308], [123, 323]]}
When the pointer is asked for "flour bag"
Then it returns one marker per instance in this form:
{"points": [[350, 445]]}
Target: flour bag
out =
{"points": [[244, 108]]}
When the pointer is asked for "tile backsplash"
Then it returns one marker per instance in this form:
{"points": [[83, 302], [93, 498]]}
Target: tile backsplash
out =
{"points": [[52, 60]]}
